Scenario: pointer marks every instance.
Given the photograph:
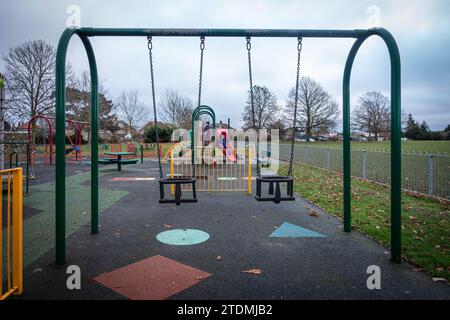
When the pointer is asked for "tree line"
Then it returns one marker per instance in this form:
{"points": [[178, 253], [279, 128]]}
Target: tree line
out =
{"points": [[318, 113], [415, 131]]}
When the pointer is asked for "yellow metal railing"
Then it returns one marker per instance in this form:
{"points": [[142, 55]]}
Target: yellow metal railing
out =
{"points": [[13, 237], [214, 174]]}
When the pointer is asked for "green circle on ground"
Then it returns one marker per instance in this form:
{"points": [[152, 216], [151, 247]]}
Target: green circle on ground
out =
{"points": [[182, 237]]}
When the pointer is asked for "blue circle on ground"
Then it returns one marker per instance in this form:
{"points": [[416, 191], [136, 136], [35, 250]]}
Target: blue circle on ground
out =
{"points": [[182, 237]]}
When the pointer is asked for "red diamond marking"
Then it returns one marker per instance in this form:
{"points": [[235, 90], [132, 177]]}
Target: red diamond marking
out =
{"points": [[154, 278]]}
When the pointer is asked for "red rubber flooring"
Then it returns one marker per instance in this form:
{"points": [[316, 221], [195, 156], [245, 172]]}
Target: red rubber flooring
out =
{"points": [[154, 278]]}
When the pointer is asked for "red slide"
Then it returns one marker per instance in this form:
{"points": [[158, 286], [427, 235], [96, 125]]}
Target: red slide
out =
{"points": [[229, 152]]}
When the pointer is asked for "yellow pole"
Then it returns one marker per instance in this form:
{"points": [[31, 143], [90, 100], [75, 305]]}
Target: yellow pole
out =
{"points": [[14, 222], [1, 235], [235, 170], [205, 181], [241, 174], [172, 187], [17, 258], [249, 177], [8, 233]]}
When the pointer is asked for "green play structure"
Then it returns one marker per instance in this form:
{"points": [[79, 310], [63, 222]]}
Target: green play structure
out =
{"points": [[196, 114]]}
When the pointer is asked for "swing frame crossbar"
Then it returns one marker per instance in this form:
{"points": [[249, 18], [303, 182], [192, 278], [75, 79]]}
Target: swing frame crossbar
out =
{"points": [[360, 36]]}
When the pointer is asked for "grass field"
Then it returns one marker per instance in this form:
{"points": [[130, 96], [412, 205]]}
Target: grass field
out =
{"points": [[425, 222], [407, 146]]}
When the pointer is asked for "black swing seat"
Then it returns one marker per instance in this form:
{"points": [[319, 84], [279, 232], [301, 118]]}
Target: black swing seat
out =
{"points": [[177, 181], [271, 180]]}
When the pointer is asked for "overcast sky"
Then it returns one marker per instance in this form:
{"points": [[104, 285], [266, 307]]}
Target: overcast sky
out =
{"points": [[421, 28]]}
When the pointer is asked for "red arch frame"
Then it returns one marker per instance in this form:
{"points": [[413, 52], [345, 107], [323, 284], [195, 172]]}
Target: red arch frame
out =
{"points": [[78, 125], [50, 142]]}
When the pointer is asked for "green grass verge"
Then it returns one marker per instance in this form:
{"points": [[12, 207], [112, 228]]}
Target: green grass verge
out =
{"points": [[425, 221], [407, 146]]}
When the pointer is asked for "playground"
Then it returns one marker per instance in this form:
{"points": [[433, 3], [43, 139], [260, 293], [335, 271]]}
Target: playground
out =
{"points": [[211, 216], [225, 246]]}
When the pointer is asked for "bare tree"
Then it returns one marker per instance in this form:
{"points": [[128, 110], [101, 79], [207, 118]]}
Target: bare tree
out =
{"points": [[30, 75], [372, 114], [280, 125], [79, 103], [184, 118], [317, 111], [131, 109], [2, 120], [266, 108], [176, 109], [30, 78]]}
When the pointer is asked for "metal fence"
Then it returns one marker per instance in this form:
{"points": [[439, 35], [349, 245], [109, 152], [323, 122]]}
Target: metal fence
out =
{"points": [[424, 173]]}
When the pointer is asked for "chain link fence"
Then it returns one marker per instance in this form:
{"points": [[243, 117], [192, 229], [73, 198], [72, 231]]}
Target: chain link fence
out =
{"points": [[424, 173]]}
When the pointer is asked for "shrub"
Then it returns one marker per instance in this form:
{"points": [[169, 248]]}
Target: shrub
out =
{"points": [[164, 134]]}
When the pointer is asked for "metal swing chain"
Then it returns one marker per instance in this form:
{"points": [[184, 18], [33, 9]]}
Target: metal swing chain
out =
{"points": [[200, 79], [150, 47], [202, 48], [297, 83], [250, 77]]}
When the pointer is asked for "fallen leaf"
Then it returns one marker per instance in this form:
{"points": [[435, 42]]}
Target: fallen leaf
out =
{"points": [[168, 226], [313, 213], [253, 271], [438, 279]]}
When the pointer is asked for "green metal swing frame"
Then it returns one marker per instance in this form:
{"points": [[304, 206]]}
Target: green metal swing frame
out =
{"points": [[360, 35]]}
